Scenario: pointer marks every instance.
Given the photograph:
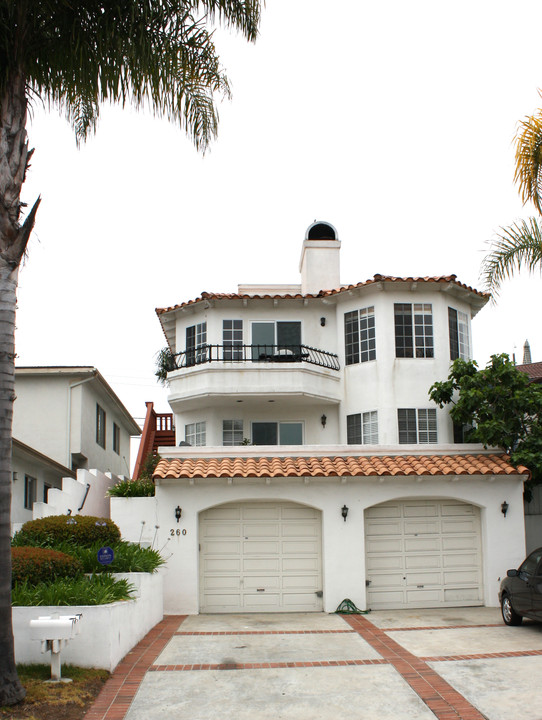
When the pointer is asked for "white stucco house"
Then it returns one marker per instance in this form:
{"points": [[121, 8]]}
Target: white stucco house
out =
{"points": [[66, 420], [310, 464]]}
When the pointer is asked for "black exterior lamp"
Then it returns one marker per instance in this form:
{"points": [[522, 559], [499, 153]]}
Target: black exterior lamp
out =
{"points": [[178, 513], [322, 321], [504, 508], [323, 420], [344, 512]]}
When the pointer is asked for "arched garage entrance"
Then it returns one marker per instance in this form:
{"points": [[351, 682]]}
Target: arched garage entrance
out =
{"points": [[423, 553], [260, 557]]}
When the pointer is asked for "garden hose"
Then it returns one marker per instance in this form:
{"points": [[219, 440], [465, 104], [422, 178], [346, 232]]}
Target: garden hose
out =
{"points": [[347, 607]]}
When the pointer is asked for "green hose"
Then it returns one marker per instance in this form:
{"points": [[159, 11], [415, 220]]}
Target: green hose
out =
{"points": [[347, 607]]}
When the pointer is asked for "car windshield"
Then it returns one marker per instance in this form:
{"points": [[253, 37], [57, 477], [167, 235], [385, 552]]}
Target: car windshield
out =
{"points": [[529, 565]]}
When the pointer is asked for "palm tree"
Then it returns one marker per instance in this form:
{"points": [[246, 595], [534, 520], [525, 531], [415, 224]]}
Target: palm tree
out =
{"points": [[520, 245], [158, 54]]}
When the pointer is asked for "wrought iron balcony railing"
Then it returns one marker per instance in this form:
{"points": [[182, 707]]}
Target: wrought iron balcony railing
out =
{"points": [[254, 353]]}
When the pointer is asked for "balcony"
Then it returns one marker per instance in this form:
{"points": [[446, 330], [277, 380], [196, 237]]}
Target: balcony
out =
{"points": [[216, 374], [255, 353]]}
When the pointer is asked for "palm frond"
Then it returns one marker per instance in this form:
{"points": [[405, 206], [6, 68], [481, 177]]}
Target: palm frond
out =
{"points": [[529, 160], [515, 247], [147, 53]]}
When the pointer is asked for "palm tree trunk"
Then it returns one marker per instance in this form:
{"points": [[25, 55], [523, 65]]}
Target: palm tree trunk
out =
{"points": [[11, 690], [13, 240]]}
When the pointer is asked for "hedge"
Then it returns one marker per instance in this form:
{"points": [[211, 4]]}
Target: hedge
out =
{"points": [[35, 565], [84, 530]]}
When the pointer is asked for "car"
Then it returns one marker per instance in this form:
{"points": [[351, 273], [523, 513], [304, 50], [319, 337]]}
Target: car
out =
{"points": [[520, 593]]}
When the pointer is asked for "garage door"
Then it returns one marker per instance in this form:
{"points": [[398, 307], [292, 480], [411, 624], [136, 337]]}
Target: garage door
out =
{"points": [[423, 553], [260, 557]]}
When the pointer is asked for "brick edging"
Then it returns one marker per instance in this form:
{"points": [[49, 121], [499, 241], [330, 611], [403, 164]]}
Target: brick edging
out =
{"points": [[119, 690], [441, 698]]}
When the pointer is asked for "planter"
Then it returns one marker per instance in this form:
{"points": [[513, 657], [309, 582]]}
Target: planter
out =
{"points": [[108, 632]]}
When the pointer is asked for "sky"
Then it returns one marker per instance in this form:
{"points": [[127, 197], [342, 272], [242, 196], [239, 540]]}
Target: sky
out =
{"points": [[392, 120]]}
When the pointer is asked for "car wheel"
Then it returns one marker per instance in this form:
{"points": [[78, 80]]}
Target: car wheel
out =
{"points": [[509, 615]]}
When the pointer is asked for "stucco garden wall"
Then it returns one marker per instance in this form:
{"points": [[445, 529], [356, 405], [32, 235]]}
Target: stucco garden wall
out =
{"points": [[108, 632]]}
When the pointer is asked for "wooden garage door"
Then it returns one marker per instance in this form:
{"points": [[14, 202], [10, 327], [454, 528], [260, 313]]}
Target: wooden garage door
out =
{"points": [[260, 557], [423, 553]]}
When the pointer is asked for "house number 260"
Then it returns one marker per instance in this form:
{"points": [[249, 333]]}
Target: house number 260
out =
{"points": [[178, 531]]}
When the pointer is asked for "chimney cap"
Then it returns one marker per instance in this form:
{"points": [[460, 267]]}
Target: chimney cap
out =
{"points": [[321, 230]]}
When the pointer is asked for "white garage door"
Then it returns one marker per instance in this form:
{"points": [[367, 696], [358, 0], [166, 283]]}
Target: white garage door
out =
{"points": [[260, 557], [424, 553]]}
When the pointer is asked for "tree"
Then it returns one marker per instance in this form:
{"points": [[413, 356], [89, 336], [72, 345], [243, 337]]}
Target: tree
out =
{"points": [[500, 405], [520, 245], [158, 54]]}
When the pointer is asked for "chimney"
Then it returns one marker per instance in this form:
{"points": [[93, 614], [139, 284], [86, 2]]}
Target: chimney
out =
{"points": [[320, 259], [527, 353]]}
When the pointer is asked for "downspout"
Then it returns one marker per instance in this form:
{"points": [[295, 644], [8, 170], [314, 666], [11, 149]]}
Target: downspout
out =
{"points": [[69, 433]]}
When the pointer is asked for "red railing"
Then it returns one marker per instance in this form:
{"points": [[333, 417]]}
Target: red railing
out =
{"points": [[158, 430]]}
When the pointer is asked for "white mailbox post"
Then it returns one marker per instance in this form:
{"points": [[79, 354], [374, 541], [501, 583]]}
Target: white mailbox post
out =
{"points": [[54, 632]]}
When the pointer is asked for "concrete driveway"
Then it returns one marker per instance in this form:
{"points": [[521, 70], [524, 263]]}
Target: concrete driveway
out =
{"points": [[460, 663]]}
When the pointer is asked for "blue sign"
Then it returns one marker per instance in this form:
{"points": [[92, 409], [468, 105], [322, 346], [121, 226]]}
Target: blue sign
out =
{"points": [[105, 556]]}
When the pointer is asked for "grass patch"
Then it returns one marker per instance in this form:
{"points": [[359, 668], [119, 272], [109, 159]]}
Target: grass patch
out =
{"points": [[66, 701]]}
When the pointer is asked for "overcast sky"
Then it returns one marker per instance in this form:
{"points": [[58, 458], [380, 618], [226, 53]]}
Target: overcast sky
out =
{"points": [[392, 120]]}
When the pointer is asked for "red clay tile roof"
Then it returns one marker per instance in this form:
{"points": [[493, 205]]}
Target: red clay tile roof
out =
{"points": [[348, 466], [533, 370], [443, 279]]}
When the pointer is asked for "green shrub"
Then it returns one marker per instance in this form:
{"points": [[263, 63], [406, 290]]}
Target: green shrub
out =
{"points": [[94, 590], [129, 557], [83, 530], [132, 488], [35, 565]]}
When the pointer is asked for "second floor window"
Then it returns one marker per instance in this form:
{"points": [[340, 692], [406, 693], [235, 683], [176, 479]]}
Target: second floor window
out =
{"points": [[232, 339], [359, 335], [458, 328], [116, 438], [195, 434], [274, 338], [100, 426], [362, 428], [417, 426], [414, 330], [232, 432], [196, 344], [277, 433]]}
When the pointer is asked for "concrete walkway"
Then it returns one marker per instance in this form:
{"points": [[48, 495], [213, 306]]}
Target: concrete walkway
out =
{"points": [[460, 663]]}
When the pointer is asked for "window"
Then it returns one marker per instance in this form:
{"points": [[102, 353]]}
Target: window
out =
{"points": [[196, 344], [273, 433], [46, 489], [100, 426], [461, 433], [359, 335], [413, 330], [232, 339], [362, 428], [30, 488], [270, 337], [232, 432], [195, 434], [458, 327], [116, 438], [417, 426]]}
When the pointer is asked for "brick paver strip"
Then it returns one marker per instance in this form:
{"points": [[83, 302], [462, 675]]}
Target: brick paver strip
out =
{"points": [[118, 692], [440, 697], [266, 632]]}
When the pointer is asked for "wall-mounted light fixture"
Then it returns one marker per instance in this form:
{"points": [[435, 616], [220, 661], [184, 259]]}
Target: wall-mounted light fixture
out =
{"points": [[323, 420], [178, 513], [344, 512], [14, 476], [504, 508], [322, 321]]}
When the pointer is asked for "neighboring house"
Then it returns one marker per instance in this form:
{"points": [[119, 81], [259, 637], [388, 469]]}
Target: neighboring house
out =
{"points": [[33, 475], [313, 466], [73, 416]]}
